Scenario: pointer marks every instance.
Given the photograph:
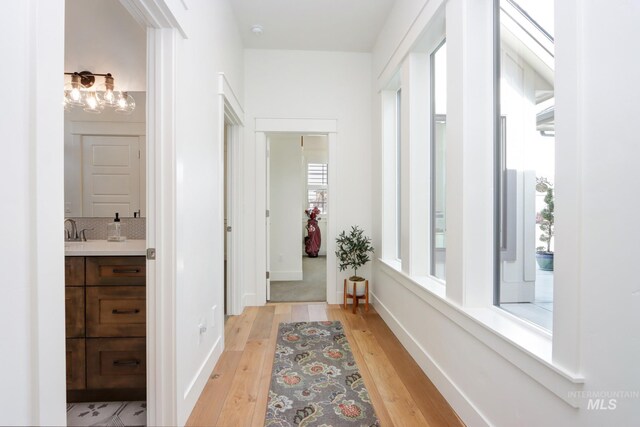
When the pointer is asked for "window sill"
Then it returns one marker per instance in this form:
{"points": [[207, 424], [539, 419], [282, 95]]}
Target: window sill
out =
{"points": [[524, 345]]}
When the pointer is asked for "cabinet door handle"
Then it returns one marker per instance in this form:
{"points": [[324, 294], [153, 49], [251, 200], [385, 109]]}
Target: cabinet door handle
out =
{"points": [[126, 270], [126, 362], [134, 311]]}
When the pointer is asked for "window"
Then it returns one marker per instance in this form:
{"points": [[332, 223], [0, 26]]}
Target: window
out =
{"points": [[438, 161], [525, 160], [317, 181], [398, 174]]}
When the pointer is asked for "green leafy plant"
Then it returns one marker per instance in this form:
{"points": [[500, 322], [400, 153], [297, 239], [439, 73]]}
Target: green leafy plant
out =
{"points": [[353, 251], [545, 218]]}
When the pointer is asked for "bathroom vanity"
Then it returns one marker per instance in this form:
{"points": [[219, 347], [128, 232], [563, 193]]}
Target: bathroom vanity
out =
{"points": [[105, 320]]}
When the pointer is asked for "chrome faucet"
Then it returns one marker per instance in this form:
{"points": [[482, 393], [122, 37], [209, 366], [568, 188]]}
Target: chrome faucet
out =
{"points": [[71, 236]]}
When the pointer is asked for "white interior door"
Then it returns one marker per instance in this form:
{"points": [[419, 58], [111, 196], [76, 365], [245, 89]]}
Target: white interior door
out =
{"points": [[110, 175], [228, 215], [268, 219]]}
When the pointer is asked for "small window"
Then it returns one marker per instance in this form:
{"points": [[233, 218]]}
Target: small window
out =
{"points": [[398, 174], [438, 161], [525, 160], [317, 181]]}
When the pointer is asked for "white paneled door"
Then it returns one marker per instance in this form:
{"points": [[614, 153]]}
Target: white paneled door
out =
{"points": [[110, 175]]}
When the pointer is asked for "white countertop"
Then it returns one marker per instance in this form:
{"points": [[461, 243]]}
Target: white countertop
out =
{"points": [[105, 248]]}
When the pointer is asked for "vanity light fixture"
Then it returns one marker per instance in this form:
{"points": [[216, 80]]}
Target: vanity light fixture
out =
{"points": [[80, 92]]}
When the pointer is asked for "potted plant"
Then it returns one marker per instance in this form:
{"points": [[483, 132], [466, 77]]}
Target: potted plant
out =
{"points": [[353, 252], [545, 220]]}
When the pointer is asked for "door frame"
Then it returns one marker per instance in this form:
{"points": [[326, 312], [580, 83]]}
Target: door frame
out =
{"points": [[162, 33], [46, 26], [232, 114], [263, 127]]}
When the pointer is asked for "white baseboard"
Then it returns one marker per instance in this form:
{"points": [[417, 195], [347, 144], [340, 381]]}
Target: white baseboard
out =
{"points": [[339, 298], [285, 276], [248, 300], [194, 389], [469, 414]]}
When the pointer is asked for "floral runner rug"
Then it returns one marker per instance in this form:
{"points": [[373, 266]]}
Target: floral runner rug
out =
{"points": [[315, 380]]}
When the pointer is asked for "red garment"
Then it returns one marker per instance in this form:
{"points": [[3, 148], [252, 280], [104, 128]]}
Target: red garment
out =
{"points": [[312, 241]]}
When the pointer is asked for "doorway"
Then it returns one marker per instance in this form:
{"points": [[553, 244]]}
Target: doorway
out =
{"points": [[265, 127], [105, 177], [298, 200], [227, 216], [159, 31], [231, 129]]}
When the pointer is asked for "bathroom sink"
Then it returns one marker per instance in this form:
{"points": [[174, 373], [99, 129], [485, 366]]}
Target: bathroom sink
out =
{"points": [[105, 248]]}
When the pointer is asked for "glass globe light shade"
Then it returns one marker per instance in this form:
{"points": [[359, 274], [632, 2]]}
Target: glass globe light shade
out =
{"points": [[125, 103], [93, 102], [109, 96], [74, 92]]}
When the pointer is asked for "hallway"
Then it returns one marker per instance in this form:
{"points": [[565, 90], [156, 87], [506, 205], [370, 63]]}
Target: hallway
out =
{"points": [[313, 286], [232, 396]]}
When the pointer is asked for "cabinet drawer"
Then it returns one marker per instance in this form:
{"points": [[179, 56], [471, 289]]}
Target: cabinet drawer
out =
{"points": [[116, 363], [74, 271], [111, 270], [118, 311], [74, 312], [76, 366]]}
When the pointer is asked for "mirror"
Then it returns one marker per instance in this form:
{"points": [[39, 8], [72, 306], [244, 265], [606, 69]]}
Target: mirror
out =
{"points": [[105, 162], [105, 153]]}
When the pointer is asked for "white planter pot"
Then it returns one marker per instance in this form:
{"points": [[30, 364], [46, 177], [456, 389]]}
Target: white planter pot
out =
{"points": [[360, 287]]}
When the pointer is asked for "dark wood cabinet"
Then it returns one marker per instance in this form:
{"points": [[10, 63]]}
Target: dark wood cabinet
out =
{"points": [[116, 271], [106, 327], [76, 366], [116, 311], [116, 363], [74, 312], [74, 271]]}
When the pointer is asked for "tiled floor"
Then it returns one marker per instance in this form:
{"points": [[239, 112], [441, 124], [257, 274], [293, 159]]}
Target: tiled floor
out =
{"points": [[107, 414]]}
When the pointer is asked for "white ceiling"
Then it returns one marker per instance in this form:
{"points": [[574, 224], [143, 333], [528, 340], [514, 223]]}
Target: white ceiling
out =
{"points": [[333, 25]]}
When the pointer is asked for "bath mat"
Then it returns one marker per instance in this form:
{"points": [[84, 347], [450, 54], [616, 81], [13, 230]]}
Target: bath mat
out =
{"points": [[315, 380]]}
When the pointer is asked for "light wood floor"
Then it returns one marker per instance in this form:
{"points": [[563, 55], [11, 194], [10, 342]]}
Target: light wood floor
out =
{"points": [[237, 390]]}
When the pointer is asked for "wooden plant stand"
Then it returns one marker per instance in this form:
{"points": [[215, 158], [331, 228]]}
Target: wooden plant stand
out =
{"points": [[355, 298]]}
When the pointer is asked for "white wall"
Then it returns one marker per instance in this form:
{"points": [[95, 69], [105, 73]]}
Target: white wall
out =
{"points": [[213, 45], [597, 311], [32, 248], [102, 37], [326, 85], [286, 194]]}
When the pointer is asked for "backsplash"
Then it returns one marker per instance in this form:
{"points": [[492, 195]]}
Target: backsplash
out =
{"points": [[132, 228]]}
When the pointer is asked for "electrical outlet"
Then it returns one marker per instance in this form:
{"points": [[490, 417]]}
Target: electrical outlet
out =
{"points": [[202, 329]]}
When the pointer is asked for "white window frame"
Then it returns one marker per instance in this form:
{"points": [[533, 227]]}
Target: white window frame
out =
{"points": [[389, 241], [467, 300], [432, 162], [311, 187]]}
